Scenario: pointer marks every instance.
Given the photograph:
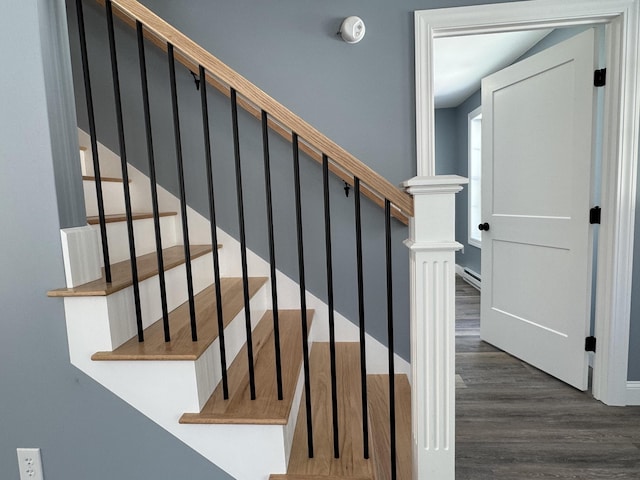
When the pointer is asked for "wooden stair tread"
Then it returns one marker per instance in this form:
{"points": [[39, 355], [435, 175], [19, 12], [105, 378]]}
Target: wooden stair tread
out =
{"points": [[90, 178], [378, 402], [287, 476], [121, 217], [181, 347], [121, 272], [351, 463], [266, 409]]}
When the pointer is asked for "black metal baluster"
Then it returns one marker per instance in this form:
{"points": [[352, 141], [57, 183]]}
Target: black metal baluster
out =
{"points": [[363, 354], [303, 290], [125, 173], [272, 250], [152, 180], [332, 333], [392, 384], [243, 242], [94, 140], [183, 197], [214, 232]]}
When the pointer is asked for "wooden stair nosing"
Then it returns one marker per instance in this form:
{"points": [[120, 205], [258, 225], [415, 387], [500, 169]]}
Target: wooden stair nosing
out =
{"points": [[121, 272], [181, 346], [121, 217], [91, 178], [266, 409], [351, 463], [378, 404], [288, 476]]}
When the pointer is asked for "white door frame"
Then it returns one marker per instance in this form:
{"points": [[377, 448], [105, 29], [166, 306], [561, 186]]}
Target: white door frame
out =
{"points": [[620, 146]]}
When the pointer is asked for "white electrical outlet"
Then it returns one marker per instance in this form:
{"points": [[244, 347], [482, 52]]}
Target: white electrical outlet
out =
{"points": [[30, 464]]}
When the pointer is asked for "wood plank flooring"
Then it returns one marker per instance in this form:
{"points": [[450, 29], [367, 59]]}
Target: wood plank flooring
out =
{"points": [[516, 422]]}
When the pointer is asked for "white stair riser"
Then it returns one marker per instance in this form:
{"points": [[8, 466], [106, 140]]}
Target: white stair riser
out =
{"points": [[121, 307], [112, 195], [208, 366], [144, 235], [98, 324], [88, 331]]}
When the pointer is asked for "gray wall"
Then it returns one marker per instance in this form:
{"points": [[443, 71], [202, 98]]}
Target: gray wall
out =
{"points": [[84, 431], [446, 133]]}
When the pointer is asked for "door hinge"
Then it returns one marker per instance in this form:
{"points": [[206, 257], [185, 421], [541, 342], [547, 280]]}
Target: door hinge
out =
{"points": [[594, 215], [590, 344], [600, 77]]}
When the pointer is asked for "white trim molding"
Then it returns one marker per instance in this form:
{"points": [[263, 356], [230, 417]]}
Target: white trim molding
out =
{"points": [[633, 393], [82, 262], [472, 277], [432, 248], [620, 146]]}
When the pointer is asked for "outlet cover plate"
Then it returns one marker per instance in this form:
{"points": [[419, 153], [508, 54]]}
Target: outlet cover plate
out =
{"points": [[30, 464]]}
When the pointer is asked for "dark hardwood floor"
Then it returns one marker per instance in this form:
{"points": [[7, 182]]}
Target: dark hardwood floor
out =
{"points": [[515, 422]]}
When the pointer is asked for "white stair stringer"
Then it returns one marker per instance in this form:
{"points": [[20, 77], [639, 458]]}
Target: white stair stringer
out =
{"points": [[146, 384]]}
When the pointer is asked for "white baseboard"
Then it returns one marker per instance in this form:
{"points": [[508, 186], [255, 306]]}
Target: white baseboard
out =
{"points": [[469, 276], [633, 393]]}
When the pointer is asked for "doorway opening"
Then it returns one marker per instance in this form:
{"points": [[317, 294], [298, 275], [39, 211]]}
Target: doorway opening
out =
{"points": [[539, 155], [619, 145]]}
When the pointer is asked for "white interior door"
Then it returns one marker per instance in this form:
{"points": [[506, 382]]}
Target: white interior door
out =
{"points": [[536, 255]]}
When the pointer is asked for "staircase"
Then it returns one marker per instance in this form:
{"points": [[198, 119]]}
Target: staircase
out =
{"points": [[209, 340], [177, 383]]}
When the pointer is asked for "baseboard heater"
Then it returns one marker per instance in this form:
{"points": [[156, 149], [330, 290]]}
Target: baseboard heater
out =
{"points": [[472, 278]]}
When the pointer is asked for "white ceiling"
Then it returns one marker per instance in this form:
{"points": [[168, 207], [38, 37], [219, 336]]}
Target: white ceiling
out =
{"points": [[460, 63]]}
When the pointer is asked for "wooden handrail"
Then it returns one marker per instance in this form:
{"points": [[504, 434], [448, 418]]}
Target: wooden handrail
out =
{"points": [[253, 100]]}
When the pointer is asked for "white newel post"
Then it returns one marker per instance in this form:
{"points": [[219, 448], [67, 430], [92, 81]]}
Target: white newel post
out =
{"points": [[433, 246]]}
